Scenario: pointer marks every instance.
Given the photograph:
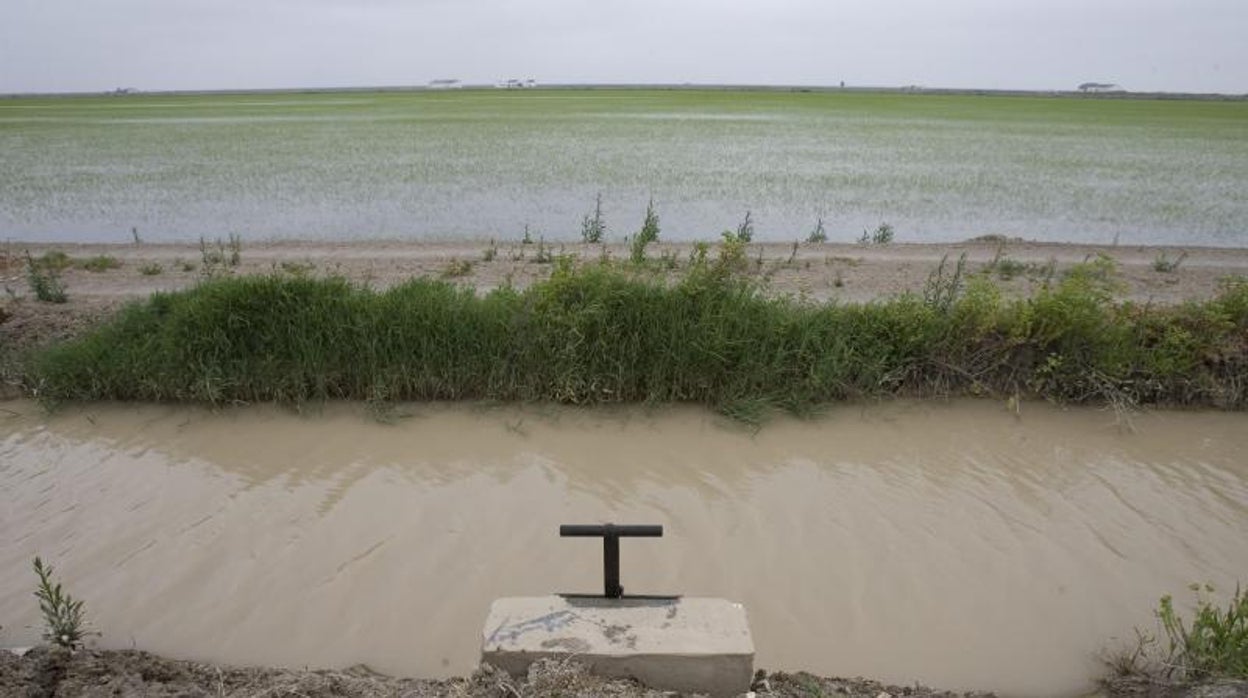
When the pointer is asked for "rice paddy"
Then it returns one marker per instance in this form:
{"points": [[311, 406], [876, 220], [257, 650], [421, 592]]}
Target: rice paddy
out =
{"points": [[486, 163]]}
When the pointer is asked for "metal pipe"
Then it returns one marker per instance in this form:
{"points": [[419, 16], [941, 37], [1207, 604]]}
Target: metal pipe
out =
{"points": [[623, 530], [611, 534]]}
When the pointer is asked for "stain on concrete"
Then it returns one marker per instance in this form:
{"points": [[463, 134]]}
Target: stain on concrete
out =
{"points": [[569, 644]]}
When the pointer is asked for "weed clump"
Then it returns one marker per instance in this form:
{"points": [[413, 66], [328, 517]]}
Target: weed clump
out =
{"points": [[594, 228], [817, 234], [100, 263], [1164, 265], [219, 257], [648, 234], [1216, 642], [1213, 647], [44, 278], [745, 229], [64, 619], [882, 235], [456, 268], [54, 260]]}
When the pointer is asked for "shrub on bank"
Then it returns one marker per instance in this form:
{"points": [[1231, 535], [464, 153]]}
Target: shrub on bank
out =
{"points": [[596, 335]]}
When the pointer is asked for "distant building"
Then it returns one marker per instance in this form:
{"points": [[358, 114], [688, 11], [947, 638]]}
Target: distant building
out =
{"points": [[1100, 87], [445, 84], [514, 84]]}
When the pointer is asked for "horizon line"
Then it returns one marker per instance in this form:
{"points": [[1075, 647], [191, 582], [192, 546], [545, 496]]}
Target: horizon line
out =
{"points": [[122, 91]]}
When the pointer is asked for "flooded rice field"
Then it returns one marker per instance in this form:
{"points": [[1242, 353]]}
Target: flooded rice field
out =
{"points": [[957, 544], [486, 163]]}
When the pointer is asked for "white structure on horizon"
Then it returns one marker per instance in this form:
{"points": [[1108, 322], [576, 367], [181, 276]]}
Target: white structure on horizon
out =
{"points": [[1100, 87], [445, 84], [514, 84]]}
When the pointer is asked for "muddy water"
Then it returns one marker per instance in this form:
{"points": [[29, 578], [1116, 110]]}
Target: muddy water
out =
{"points": [[954, 544]]}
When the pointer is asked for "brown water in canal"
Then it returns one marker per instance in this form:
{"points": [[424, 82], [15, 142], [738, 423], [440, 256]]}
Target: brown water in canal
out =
{"points": [[954, 544]]}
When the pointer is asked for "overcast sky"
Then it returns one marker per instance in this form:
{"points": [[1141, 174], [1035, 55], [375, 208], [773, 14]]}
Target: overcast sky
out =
{"points": [[83, 45]]}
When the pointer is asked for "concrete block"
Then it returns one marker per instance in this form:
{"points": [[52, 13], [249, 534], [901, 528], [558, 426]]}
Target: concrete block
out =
{"points": [[680, 644]]}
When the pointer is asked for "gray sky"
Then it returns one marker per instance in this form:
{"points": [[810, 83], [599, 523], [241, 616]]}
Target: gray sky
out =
{"points": [[73, 45]]}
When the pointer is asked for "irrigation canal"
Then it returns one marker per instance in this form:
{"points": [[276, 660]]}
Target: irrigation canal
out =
{"points": [[957, 544]]}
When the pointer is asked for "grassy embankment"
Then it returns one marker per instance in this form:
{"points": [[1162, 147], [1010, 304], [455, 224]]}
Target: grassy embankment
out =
{"points": [[599, 335]]}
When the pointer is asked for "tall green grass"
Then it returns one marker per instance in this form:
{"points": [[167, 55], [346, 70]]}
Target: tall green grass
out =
{"points": [[596, 335]]}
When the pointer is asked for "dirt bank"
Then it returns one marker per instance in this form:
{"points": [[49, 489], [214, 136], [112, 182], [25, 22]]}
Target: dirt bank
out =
{"points": [[46, 673], [53, 673], [840, 272], [844, 272]]}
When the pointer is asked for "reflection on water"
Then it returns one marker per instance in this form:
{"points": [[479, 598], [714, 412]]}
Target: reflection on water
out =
{"points": [[953, 544]]}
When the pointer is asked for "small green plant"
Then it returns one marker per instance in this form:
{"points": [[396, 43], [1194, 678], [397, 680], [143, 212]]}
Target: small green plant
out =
{"points": [[882, 235], [1099, 271], [698, 253], [1216, 642], [649, 233], [211, 255], [236, 249], [62, 613], [594, 228], [732, 252], [100, 263], [184, 265], [943, 288], [1163, 264], [45, 281], [217, 256], [818, 234], [1007, 268], [297, 269], [54, 260], [457, 268], [745, 230], [528, 237], [151, 269]]}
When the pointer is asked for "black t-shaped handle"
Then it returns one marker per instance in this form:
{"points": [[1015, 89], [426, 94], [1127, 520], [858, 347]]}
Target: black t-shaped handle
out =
{"points": [[611, 534]]}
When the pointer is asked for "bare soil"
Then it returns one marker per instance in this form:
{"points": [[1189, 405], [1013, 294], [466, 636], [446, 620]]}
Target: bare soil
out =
{"points": [[46, 672], [846, 272], [55, 673]]}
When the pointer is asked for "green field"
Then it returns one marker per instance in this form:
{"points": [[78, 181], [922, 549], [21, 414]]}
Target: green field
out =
{"points": [[484, 163]]}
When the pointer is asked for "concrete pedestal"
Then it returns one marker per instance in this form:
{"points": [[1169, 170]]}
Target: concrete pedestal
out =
{"points": [[680, 644]]}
